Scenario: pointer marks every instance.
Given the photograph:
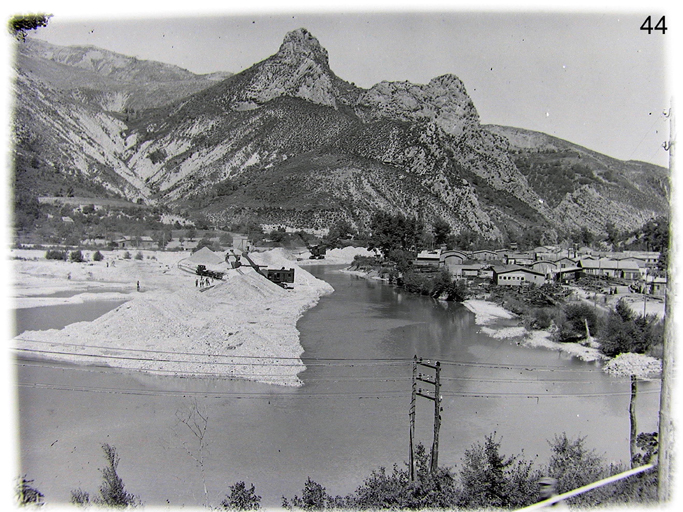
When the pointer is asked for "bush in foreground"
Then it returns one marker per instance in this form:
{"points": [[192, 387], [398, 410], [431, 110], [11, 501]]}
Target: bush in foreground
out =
{"points": [[241, 498], [26, 494], [112, 491]]}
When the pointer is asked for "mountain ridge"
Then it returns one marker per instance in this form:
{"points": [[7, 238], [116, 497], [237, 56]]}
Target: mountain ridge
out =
{"points": [[288, 121]]}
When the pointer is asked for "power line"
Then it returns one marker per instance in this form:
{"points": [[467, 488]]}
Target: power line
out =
{"points": [[309, 361], [333, 379], [383, 394]]}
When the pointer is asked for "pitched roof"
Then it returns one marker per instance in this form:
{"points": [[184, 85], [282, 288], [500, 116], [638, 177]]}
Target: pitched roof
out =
{"points": [[515, 268]]}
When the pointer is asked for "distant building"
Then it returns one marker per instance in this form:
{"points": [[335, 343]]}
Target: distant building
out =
{"points": [[516, 276], [428, 258], [129, 242], [605, 267], [545, 267], [565, 263], [484, 255], [453, 257], [465, 271], [240, 242], [568, 274], [658, 286]]}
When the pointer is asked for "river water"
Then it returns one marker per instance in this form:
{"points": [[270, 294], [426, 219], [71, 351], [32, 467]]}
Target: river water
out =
{"points": [[349, 418]]}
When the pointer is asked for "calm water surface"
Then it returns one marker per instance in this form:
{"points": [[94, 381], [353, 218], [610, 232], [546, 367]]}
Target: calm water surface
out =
{"points": [[350, 417]]}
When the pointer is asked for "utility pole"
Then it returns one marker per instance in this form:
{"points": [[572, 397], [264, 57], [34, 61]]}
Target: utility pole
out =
{"points": [[665, 467], [436, 382], [413, 396]]}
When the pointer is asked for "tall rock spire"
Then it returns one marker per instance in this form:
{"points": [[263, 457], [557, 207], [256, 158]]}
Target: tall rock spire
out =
{"points": [[301, 44]]}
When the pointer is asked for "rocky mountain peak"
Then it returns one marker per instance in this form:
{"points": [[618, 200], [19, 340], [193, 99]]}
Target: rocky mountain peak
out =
{"points": [[301, 43], [443, 101], [299, 69]]}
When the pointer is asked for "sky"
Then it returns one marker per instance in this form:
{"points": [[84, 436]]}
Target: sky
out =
{"points": [[591, 77]]}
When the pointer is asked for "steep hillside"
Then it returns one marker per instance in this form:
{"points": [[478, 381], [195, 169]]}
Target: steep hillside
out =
{"points": [[114, 82], [584, 186], [288, 142]]}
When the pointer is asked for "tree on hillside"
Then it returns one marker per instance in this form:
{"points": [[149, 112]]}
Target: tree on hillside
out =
{"points": [[19, 25], [390, 232], [467, 240], [441, 230], [339, 231], [613, 233], [313, 497]]}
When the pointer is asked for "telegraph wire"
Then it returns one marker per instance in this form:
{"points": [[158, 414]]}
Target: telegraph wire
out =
{"points": [[309, 361], [332, 379], [401, 394], [94, 368]]}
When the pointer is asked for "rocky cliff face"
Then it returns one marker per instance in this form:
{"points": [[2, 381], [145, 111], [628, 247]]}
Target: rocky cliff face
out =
{"points": [[443, 101], [289, 142]]}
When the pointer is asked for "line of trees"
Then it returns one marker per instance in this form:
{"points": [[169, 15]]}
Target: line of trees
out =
{"points": [[487, 478]]}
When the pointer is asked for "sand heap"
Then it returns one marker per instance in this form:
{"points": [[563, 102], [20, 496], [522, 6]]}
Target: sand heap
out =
{"points": [[243, 327]]}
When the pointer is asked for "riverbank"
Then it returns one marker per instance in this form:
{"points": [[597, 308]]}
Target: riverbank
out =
{"points": [[486, 313], [490, 316], [242, 327]]}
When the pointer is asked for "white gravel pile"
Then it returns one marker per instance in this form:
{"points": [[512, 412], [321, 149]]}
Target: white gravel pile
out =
{"points": [[642, 366], [243, 327]]}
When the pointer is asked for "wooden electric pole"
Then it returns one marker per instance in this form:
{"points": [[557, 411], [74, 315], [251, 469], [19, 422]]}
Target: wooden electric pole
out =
{"points": [[436, 382], [665, 466], [413, 396]]}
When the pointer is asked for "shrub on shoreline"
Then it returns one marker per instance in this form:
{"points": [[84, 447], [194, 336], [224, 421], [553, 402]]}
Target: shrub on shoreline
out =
{"points": [[56, 254]]}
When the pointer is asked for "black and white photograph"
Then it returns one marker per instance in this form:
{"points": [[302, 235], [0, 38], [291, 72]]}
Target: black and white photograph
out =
{"points": [[351, 257]]}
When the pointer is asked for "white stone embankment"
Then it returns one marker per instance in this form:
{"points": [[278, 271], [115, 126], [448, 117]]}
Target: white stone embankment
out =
{"points": [[241, 327]]}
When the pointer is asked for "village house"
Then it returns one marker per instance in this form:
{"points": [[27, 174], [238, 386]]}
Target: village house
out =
{"points": [[568, 274], [428, 258], [658, 286], [547, 268], [465, 270], [129, 242], [484, 255], [519, 258], [605, 267], [453, 257], [565, 263], [516, 276]]}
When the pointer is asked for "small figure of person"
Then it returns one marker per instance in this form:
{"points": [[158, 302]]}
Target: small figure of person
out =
{"points": [[196, 283], [138, 285]]}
